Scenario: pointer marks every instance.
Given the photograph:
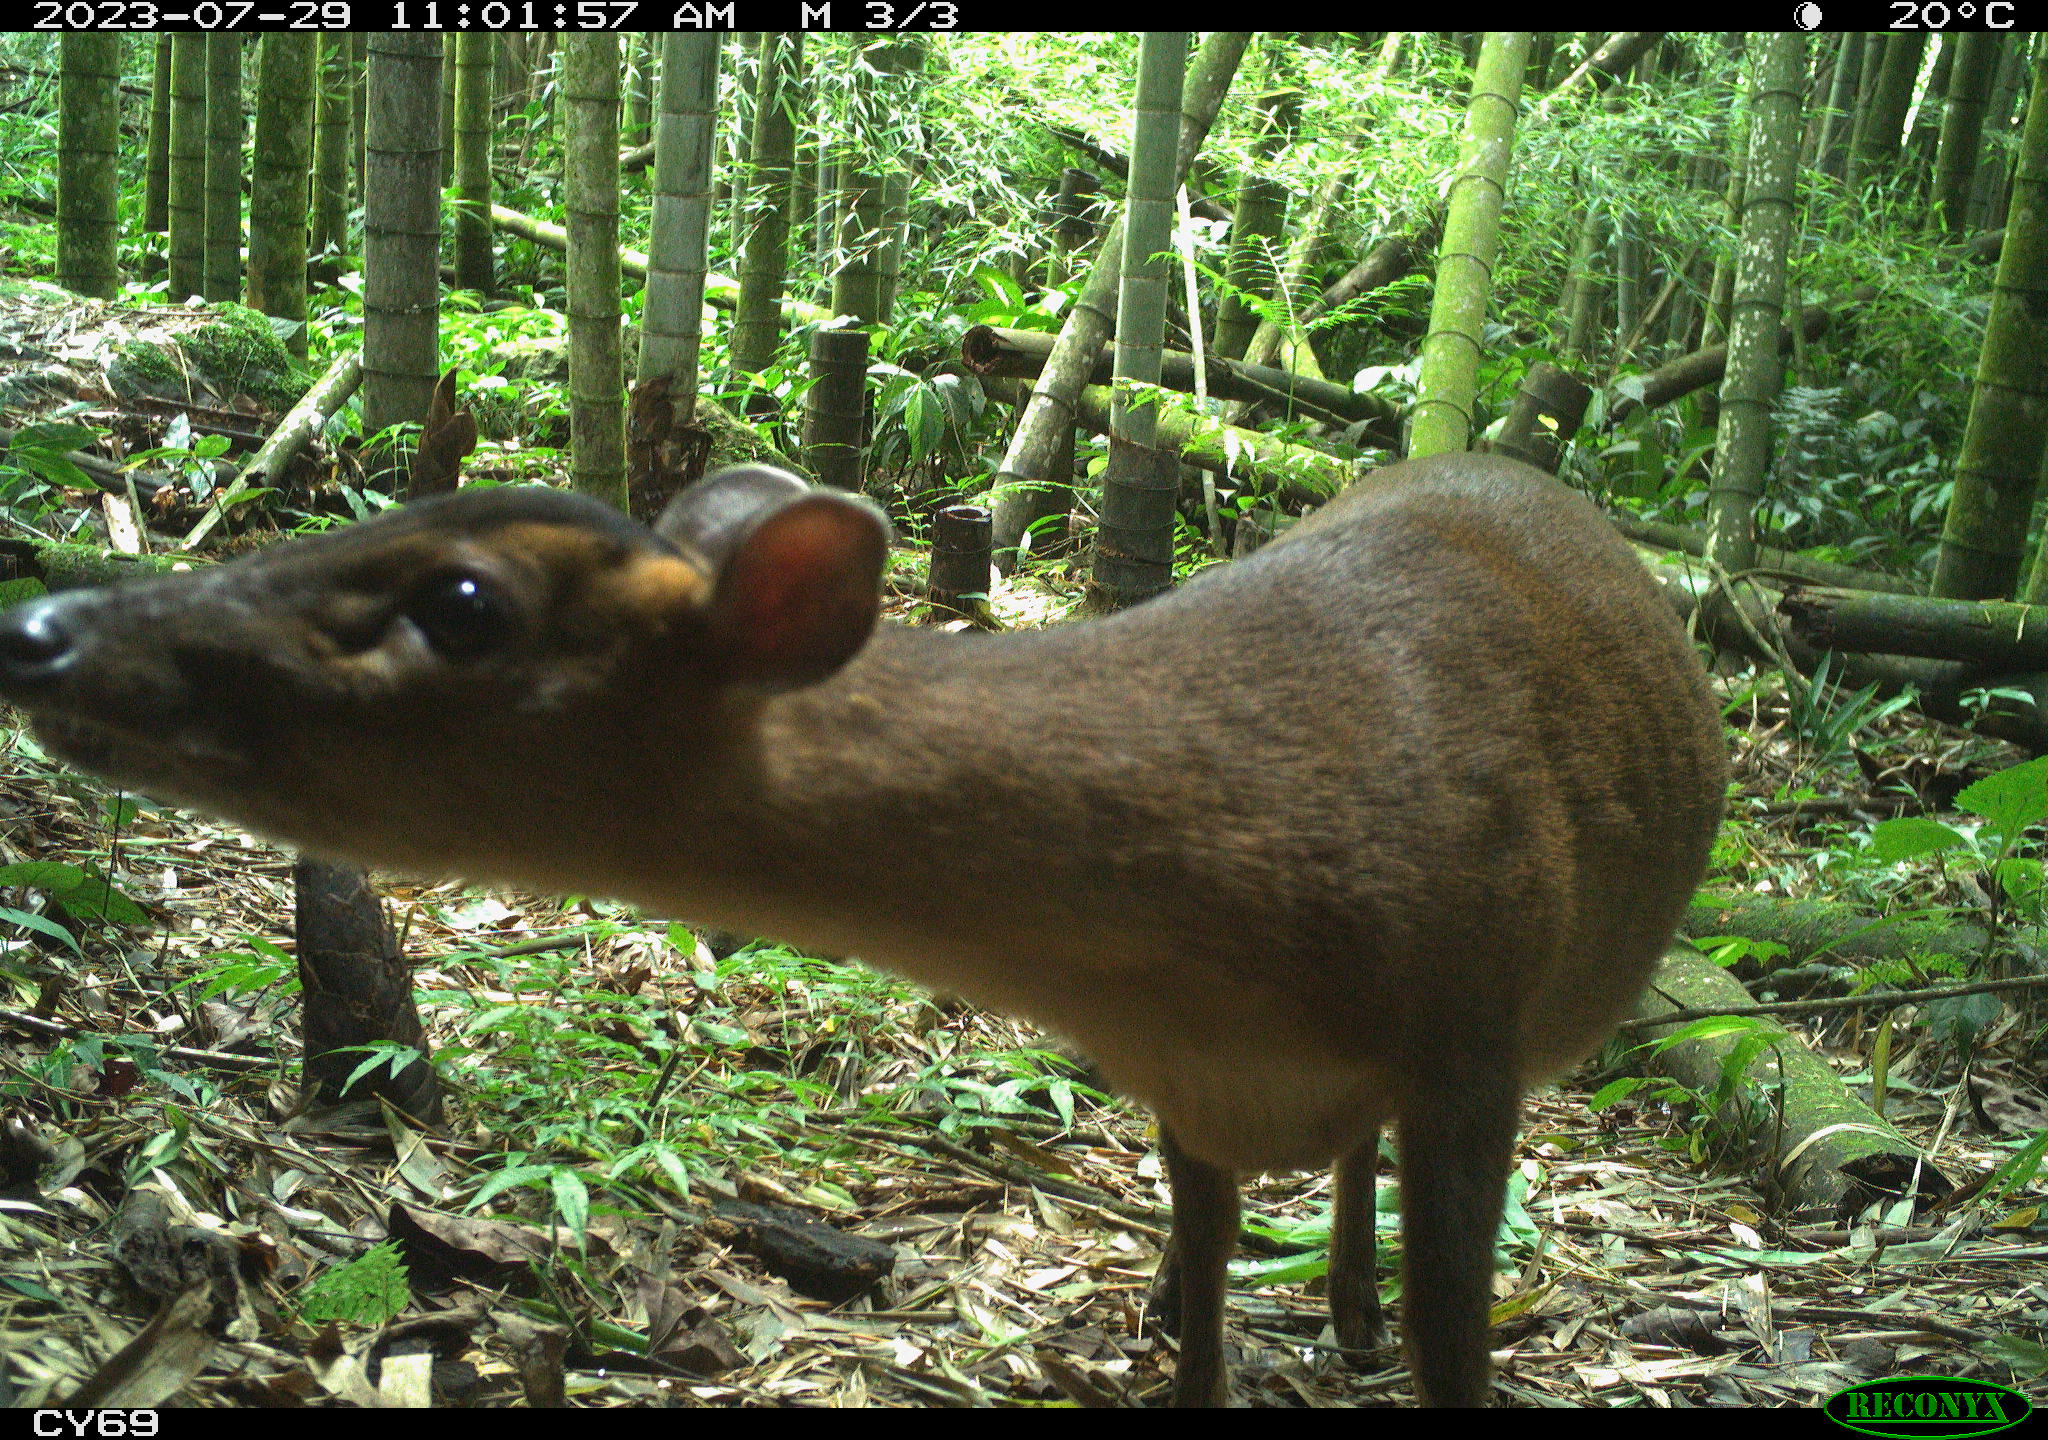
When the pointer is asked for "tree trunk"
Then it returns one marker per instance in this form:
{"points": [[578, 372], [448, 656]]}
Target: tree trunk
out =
{"points": [[1450, 353], [156, 177], [1134, 532], [1755, 370], [755, 326], [1812, 1144], [1962, 128], [1022, 354], [672, 318], [597, 416], [88, 154], [287, 67], [223, 267], [1998, 465], [330, 162], [1985, 632], [1024, 487], [473, 131], [1881, 127], [401, 231]]}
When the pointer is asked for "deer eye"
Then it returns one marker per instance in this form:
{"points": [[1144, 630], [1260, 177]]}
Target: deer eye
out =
{"points": [[463, 616]]}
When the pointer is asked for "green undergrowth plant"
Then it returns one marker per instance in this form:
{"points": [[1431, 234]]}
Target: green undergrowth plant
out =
{"points": [[35, 465], [598, 1091], [1726, 1118], [53, 911], [1828, 720], [1299, 1251], [979, 1088], [2001, 849], [369, 1290], [1997, 846]]}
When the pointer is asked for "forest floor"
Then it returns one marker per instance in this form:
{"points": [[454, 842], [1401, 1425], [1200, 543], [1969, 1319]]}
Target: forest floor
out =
{"points": [[176, 1227], [149, 1071]]}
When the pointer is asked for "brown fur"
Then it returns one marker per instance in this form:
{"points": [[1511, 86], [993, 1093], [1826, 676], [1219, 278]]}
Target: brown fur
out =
{"points": [[1384, 823]]}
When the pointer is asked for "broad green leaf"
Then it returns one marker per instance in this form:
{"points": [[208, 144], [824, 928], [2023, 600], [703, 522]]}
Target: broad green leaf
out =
{"points": [[94, 899], [1712, 1027], [1958, 1020], [269, 949], [2011, 800], [1000, 286], [572, 1202], [506, 1179], [1616, 1091], [1912, 835], [2020, 878], [1726, 950], [47, 875], [57, 437]]}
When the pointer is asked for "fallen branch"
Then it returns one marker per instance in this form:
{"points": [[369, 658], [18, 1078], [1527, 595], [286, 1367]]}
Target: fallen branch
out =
{"points": [[300, 424], [1790, 563], [719, 290], [1988, 632], [1021, 354]]}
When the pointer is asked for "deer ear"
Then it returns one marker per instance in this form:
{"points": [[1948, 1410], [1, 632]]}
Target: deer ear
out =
{"points": [[714, 515], [798, 592]]}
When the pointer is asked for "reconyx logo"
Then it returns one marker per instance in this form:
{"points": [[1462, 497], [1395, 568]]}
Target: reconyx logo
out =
{"points": [[1924, 1406]]}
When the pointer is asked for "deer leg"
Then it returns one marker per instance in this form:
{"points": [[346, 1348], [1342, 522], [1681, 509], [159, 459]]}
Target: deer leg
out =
{"points": [[1188, 1294], [1353, 1285], [1457, 1131]]}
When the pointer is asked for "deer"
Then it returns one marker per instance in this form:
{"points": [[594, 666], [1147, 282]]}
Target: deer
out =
{"points": [[1380, 825]]}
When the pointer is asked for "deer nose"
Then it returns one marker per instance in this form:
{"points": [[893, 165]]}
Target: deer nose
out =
{"points": [[36, 645]]}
